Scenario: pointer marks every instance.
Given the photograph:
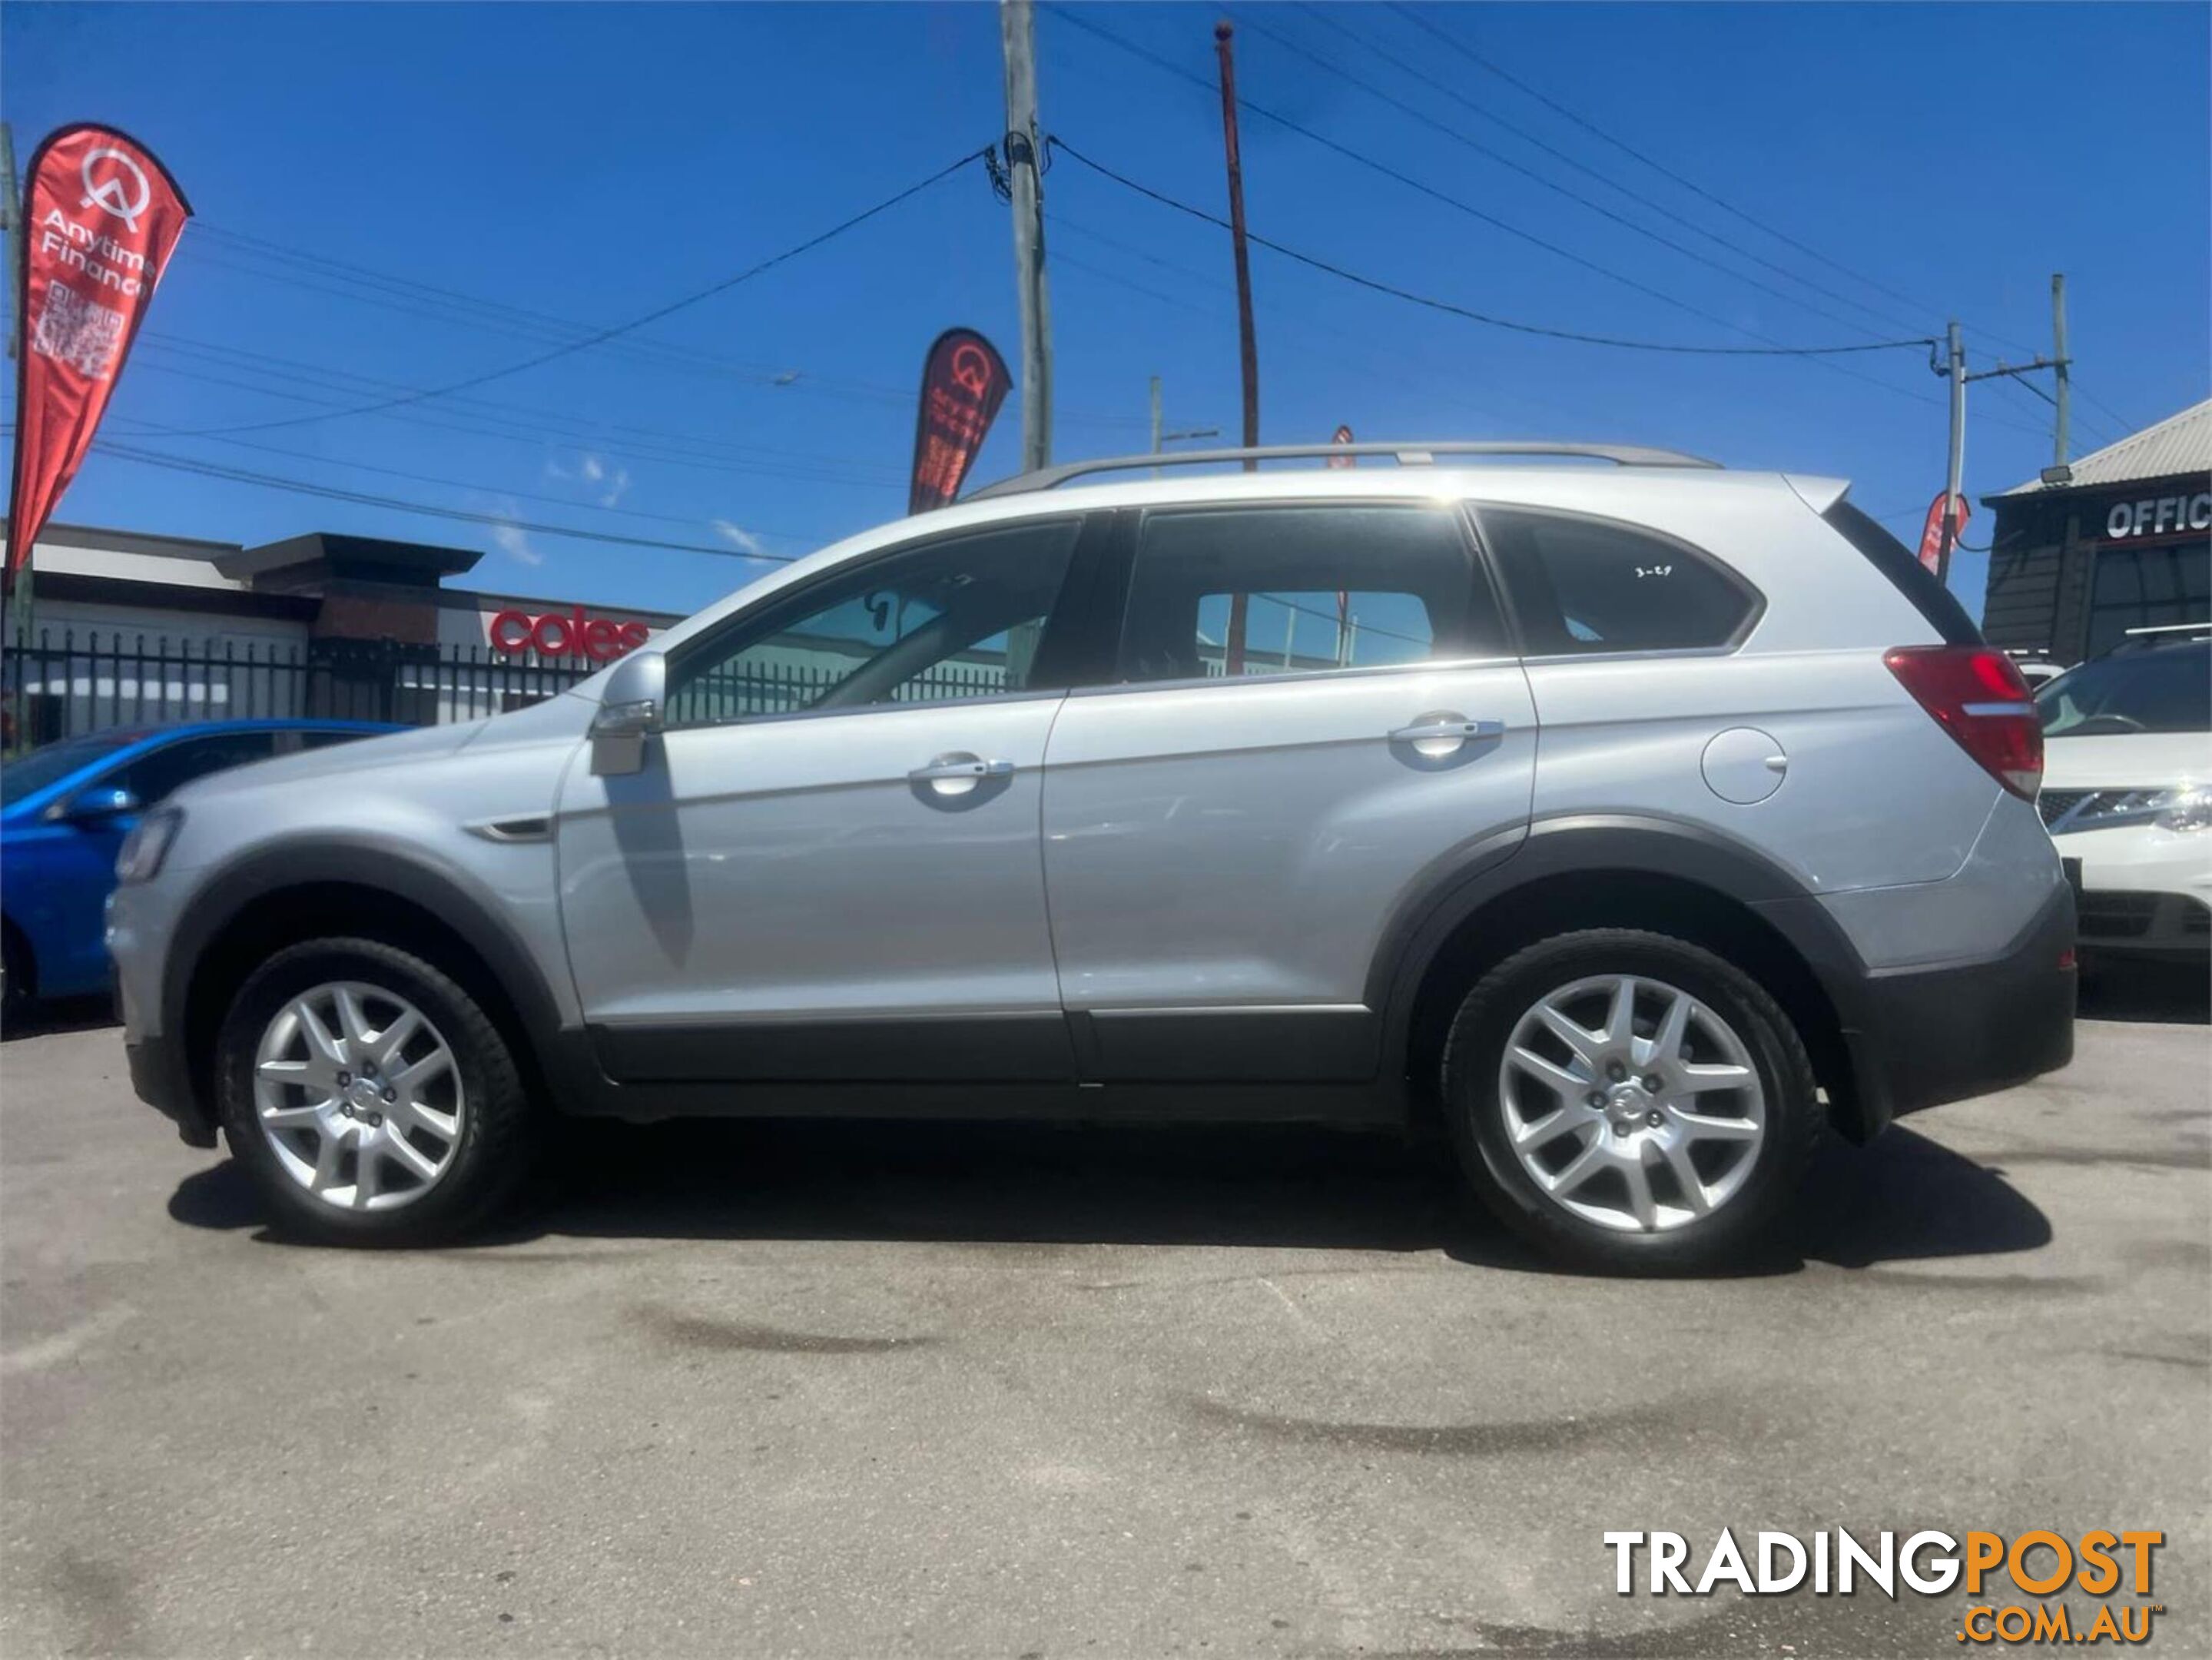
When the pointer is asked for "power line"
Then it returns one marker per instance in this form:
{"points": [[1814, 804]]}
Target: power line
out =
{"points": [[1455, 44], [1818, 354], [149, 428], [1472, 315], [1451, 388], [538, 441], [1507, 162], [1079, 21], [1321, 15], [2128, 425], [513, 433], [653, 316], [1363, 360], [407, 297], [560, 427], [332, 492]]}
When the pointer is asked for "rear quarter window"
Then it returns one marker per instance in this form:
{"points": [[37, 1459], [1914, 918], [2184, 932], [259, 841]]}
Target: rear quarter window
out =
{"points": [[1937, 603], [1587, 585]]}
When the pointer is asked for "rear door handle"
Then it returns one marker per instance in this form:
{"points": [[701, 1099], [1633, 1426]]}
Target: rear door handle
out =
{"points": [[1447, 729]]}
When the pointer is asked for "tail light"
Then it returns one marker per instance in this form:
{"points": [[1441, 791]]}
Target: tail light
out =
{"points": [[1978, 697]]}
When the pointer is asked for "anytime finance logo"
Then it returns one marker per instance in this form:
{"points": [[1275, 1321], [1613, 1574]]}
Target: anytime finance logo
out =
{"points": [[115, 183]]}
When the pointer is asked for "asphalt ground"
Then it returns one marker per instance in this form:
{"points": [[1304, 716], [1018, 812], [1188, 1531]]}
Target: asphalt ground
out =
{"points": [[880, 1390]]}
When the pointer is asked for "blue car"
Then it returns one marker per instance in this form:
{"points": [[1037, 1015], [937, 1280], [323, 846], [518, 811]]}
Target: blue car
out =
{"points": [[64, 810]]}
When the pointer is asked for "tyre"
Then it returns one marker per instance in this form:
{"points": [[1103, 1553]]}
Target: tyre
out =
{"points": [[1629, 1102], [370, 1097]]}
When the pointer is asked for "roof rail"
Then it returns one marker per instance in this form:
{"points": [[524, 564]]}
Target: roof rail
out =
{"points": [[1406, 455]]}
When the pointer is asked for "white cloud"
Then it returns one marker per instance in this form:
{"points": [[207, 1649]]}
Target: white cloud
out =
{"points": [[513, 541], [610, 478], [738, 536]]}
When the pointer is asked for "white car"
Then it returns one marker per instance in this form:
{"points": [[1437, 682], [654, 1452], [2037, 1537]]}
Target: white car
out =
{"points": [[2127, 790]]}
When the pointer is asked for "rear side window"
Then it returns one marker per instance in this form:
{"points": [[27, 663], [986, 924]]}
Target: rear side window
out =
{"points": [[1936, 603], [1293, 590], [1588, 584]]}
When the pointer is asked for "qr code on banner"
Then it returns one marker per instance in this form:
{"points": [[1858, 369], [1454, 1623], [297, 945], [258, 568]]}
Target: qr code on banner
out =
{"points": [[76, 331]]}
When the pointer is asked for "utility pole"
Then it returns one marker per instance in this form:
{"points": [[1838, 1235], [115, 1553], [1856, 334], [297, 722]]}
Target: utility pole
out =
{"points": [[1018, 35], [1957, 367], [1161, 439], [1248, 347], [2062, 365], [10, 221]]}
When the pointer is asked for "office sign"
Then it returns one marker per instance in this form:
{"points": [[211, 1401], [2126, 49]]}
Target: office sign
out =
{"points": [[2160, 515], [100, 217]]}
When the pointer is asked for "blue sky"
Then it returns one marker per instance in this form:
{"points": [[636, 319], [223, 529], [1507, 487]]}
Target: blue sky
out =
{"points": [[593, 162]]}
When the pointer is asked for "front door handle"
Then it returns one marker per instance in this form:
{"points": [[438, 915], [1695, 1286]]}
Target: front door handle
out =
{"points": [[958, 773], [960, 767]]}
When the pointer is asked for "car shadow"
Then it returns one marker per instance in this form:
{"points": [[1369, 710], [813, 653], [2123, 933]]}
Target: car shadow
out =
{"points": [[2126, 988], [1903, 1198], [62, 1014]]}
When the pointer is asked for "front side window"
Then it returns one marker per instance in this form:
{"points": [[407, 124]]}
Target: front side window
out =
{"points": [[961, 617], [1290, 590], [156, 776], [1586, 585], [51, 763], [322, 740]]}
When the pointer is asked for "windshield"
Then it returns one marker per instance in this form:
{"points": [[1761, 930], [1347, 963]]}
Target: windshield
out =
{"points": [[2168, 689], [42, 767]]}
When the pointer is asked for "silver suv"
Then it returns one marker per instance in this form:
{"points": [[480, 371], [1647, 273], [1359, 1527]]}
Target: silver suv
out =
{"points": [[1632, 821]]}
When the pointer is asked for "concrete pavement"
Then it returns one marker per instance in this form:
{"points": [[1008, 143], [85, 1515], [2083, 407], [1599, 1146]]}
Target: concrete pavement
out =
{"points": [[879, 1390]]}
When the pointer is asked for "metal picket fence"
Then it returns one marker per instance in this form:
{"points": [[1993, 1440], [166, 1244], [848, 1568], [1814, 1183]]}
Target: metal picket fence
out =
{"points": [[74, 682]]}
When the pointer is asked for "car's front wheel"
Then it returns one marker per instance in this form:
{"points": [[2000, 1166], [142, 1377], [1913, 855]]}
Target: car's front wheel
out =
{"points": [[1629, 1101], [372, 1098]]}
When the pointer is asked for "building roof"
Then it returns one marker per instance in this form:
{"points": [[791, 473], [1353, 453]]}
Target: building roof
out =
{"points": [[2180, 444], [322, 555]]}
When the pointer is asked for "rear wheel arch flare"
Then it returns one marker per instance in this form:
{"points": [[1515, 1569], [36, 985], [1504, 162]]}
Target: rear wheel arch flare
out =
{"points": [[1674, 878]]}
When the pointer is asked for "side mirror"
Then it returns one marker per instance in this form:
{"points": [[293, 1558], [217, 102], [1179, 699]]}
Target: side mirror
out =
{"points": [[630, 713], [102, 803]]}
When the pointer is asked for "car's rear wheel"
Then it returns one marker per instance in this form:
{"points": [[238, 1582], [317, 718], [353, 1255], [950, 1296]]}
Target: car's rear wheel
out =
{"points": [[1629, 1101], [373, 1099]]}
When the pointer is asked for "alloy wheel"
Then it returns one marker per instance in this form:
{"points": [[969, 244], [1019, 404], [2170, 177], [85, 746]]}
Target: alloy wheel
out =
{"points": [[359, 1094], [1631, 1105]]}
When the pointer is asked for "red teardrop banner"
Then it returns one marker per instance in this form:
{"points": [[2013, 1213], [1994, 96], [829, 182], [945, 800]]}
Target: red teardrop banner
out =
{"points": [[964, 381], [100, 217]]}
